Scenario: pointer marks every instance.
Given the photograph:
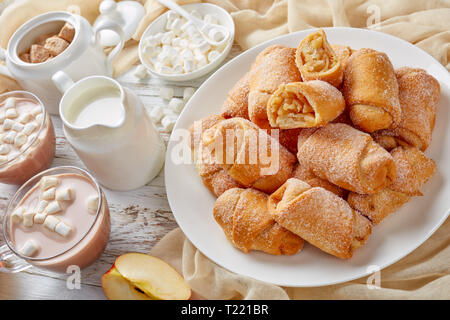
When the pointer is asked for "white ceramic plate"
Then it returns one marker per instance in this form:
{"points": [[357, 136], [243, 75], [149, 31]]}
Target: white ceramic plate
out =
{"points": [[394, 238]]}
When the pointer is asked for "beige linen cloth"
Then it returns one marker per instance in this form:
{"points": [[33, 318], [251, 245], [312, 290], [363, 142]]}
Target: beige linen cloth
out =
{"points": [[423, 274]]}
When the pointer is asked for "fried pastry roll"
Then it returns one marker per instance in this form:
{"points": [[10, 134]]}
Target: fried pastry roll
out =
{"points": [[248, 154], [272, 67], [304, 105], [319, 217], [371, 91], [248, 225], [419, 94], [214, 177], [346, 157], [342, 52], [236, 104], [413, 170], [317, 60]]}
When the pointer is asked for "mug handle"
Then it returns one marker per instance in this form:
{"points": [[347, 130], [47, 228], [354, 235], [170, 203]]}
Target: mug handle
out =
{"points": [[62, 81], [10, 263], [115, 27], [3, 69]]}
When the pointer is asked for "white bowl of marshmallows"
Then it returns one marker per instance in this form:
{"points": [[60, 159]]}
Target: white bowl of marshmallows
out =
{"points": [[173, 49]]}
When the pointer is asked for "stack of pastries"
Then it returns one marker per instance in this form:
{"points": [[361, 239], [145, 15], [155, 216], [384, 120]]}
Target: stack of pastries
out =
{"points": [[316, 144]]}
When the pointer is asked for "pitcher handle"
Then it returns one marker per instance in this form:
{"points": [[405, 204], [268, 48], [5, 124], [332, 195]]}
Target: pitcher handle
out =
{"points": [[115, 27], [10, 263], [62, 81]]}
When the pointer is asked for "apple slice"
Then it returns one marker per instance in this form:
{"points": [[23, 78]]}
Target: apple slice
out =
{"points": [[117, 287], [144, 276]]}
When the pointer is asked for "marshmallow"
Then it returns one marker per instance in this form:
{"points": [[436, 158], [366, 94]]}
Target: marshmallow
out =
{"points": [[92, 204], [167, 37], [39, 118], [11, 113], [10, 103], [188, 92], [29, 128], [41, 206], [176, 105], [28, 219], [203, 47], [166, 93], [64, 194], [30, 248], [165, 70], [200, 61], [168, 123], [196, 14], [8, 124], [209, 18], [51, 222], [63, 229], [176, 42], [25, 118], [36, 110], [141, 72], [20, 140], [212, 55], [215, 34], [156, 114], [53, 207], [9, 137], [49, 194], [188, 65], [178, 69], [39, 218], [4, 149], [48, 182], [176, 25], [172, 15], [17, 215], [187, 53], [184, 43]]}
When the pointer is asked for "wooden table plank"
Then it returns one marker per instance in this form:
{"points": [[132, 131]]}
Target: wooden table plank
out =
{"points": [[139, 218]]}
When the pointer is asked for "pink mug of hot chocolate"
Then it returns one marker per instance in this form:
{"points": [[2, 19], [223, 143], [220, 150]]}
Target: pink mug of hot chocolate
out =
{"points": [[58, 218]]}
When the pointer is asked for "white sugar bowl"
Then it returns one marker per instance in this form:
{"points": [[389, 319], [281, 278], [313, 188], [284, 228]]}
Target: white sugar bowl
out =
{"points": [[83, 57]]}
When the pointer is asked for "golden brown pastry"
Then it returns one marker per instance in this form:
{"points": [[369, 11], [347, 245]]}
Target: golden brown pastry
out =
{"points": [[346, 157], [413, 170], [236, 104], [304, 105], [248, 154], [371, 91], [272, 67], [317, 60], [214, 177], [419, 94], [248, 225], [342, 52], [319, 217], [304, 174]]}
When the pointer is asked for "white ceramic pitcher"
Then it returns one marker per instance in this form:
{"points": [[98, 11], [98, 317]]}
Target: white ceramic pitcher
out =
{"points": [[123, 155], [82, 58]]}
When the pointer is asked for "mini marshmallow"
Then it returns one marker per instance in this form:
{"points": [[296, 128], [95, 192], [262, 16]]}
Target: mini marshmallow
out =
{"points": [[4, 149], [64, 194], [200, 61], [9, 137], [41, 206], [49, 194], [11, 113], [92, 204], [17, 126], [29, 128], [184, 43], [176, 105], [167, 37], [36, 110], [203, 47], [188, 92], [10, 103], [209, 18], [39, 118], [188, 65], [28, 219], [48, 182], [8, 124], [166, 93], [39, 218], [168, 123], [30, 248], [215, 34], [51, 222], [53, 207], [63, 229], [176, 42], [20, 140], [178, 69], [212, 55], [187, 53], [141, 72], [172, 15], [196, 14], [176, 24], [165, 70], [17, 215], [25, 118], [156, 114]]}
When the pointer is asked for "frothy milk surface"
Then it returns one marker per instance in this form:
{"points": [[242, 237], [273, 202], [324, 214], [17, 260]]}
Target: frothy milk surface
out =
{"points": [[97, 106], [74, 213]]}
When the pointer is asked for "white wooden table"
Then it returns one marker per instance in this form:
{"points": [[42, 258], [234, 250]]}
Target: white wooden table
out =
{"points": [[139, 218]]}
